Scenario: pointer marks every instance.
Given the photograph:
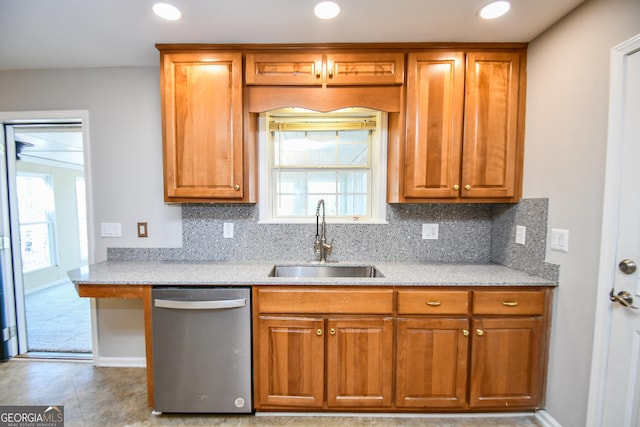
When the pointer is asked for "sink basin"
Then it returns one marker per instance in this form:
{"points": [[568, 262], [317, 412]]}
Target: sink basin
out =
{"points": [[323, 270]]}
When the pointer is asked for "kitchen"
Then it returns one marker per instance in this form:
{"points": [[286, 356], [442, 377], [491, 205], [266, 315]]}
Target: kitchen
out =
{"points": [[123, 133]]}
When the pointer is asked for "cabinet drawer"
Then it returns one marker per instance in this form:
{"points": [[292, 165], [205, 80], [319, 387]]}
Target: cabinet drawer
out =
{"points": [[433, 302], [300, 300], [508, 302]]}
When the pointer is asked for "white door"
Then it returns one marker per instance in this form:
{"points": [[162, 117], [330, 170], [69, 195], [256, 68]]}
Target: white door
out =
{"points": [[621, 245]]}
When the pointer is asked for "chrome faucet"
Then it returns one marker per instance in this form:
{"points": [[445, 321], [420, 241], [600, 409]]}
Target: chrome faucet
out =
{"points": [[320, 246]]}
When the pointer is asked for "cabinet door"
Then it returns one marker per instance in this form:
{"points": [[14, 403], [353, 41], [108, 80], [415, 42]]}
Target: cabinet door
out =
{"points": [[507, 362], [435, 93], [492, 156], [365, 69], [284, 69], [290, 362], [431, 367], [202, 125], [359, 362]]}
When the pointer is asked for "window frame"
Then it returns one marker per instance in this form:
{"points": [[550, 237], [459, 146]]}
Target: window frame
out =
{"points": [[378, 175]]}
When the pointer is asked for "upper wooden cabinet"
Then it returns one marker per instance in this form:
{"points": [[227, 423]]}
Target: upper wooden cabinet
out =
{"points": [[202, 126], [492, 147], [464, 129], [435, 97], [330, 69]]}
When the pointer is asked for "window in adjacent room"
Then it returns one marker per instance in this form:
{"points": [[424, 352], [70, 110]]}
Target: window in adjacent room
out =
{"points": [[36, 215], [306, 156]]}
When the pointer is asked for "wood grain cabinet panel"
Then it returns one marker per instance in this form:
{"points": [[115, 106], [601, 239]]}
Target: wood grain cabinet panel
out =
{"points": [[359, 362], [202, 126], [464, 129], [492, 147], [434, 302], [435, 96], [507, 363], [290, 362], [328, 69], [431, 367]]}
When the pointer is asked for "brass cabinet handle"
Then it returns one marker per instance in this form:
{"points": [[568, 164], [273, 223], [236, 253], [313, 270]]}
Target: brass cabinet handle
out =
{"points": [[236, 187], [319, 332], [480, 332], [318, 74], [510, 303], [465, 332], [456, 187], [433, 303], [467, 187], [332, 331], [330, 72]]}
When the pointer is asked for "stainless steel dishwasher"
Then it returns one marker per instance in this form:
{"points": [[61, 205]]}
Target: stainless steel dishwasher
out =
{"points": [[202, 350]]}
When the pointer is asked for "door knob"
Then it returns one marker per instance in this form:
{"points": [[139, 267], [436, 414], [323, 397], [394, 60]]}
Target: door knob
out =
{"points": [[623, 298], [627, 266]]}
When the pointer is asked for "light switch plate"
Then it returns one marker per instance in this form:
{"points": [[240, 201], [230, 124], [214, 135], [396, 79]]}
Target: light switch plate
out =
{"points": [[560, 240], [110, 229], [430, 231]]}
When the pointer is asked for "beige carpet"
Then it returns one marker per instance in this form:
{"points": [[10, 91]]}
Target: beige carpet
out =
{"points": [[58, 320]]}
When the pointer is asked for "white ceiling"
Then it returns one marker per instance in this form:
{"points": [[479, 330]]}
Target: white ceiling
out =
{"points": [[61, 144], [104, 33]]}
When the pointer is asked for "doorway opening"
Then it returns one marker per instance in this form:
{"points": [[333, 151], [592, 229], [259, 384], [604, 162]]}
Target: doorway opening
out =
{"points": [[48, 216]]}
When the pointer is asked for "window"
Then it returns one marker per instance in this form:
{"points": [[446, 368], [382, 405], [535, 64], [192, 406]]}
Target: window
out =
{"points": [[36, 217], [307, 156]]}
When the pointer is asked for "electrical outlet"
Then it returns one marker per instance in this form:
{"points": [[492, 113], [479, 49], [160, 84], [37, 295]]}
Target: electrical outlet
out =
{"points": [[521, 234], [142, 229], [227, 230], [430, 231]]}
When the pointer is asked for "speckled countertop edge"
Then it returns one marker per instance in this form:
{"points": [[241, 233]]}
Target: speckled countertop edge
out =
{"points": [[202, 273]]}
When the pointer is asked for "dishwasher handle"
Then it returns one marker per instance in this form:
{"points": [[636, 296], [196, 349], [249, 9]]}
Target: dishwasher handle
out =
{"points": [[201, 305]]}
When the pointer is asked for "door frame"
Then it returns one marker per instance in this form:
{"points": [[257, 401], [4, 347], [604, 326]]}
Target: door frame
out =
{"points": [[608, 240], [21, 117]]}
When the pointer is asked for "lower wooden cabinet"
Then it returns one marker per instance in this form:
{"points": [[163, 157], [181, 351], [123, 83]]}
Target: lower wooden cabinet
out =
{"points": [[359, 362], [431, 367], [389, 349], [290, 362]]}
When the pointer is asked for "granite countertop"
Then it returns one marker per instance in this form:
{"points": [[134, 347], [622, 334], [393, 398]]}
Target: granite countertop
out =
{"points": [[198, 273]]}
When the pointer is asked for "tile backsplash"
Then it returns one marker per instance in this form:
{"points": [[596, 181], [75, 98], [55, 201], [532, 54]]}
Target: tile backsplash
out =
{"points": [[470, 233]]}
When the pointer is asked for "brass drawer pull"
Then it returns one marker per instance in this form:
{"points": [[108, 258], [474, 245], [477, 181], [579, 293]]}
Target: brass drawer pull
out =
{"points": [[510, 303], [433, 303], [332, 331], [236, 187], [480, 332], [465, 332], [319, 332]]}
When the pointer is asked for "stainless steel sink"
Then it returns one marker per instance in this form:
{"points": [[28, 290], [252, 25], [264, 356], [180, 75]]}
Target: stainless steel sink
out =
{"points": [[323, 270]]}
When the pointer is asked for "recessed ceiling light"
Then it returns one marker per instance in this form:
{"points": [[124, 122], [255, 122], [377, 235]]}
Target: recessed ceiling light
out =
{"points": [[326, 10], [167, 11], [495, 9]]}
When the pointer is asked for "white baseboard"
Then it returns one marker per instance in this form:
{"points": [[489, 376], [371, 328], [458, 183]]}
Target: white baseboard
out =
{"points": [[120, 362], [546, 419]]}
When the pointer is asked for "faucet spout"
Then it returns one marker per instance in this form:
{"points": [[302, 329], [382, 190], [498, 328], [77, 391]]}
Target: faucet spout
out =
{"points": [[320, 246]]}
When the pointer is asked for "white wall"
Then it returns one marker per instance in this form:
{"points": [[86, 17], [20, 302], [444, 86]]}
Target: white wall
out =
{"points": [[565, 145], [125, 144]]}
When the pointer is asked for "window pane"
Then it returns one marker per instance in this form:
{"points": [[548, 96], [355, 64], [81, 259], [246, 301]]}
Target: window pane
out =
{"points": [[35, 215], [352, 205], [353, 154], [34, 241]]}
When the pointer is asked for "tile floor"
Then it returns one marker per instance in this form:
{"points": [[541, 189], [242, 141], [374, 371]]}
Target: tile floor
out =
{"points": [[117, 397]]}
